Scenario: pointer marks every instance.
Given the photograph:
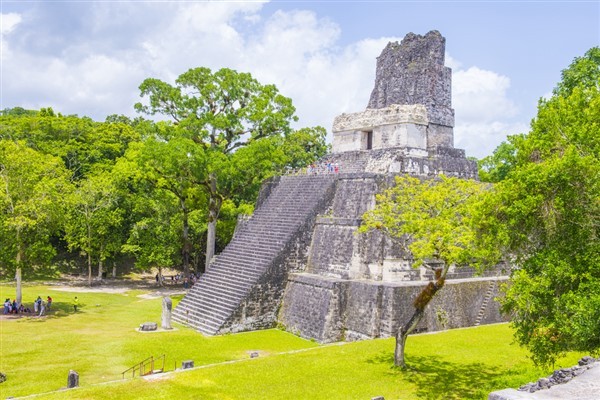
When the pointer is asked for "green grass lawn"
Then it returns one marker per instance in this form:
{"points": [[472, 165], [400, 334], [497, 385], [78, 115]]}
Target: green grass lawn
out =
{"points": [[100, 342]]}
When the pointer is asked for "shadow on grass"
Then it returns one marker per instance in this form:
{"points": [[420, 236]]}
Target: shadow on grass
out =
{"points": [[439, 379], [58, 310]]}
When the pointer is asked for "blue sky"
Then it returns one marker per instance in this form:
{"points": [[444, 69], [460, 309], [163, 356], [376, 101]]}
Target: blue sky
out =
{"points": [[89, 57]]}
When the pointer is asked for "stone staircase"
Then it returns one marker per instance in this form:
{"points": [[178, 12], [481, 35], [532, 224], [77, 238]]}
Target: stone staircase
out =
{"points": [[222, 294], [488, 296]]}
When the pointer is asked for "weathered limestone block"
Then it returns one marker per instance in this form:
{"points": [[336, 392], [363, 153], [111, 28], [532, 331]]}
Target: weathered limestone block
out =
{"points": [[167, 305]]}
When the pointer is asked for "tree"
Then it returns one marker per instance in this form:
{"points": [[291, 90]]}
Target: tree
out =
{"points": [[85, 146], [497, 166], [94, 218], [221, 112], [156, 231], [434, 218], [548, 211], [177, 166], [32, 189]]}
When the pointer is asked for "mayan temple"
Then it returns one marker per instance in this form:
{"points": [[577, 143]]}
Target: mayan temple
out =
{"points": [[299, 260]]}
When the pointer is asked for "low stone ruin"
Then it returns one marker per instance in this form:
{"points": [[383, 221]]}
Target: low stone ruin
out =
{"points": [[581, 382], [560, 376]]}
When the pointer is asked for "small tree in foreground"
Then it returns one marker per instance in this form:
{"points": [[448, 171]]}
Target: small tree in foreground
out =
{"points": [[436, 215]]}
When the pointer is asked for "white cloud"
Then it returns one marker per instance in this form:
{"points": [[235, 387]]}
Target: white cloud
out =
{"points": [[97, 72], [8, 22], [480, 139], [481, 95], [483, 109]]}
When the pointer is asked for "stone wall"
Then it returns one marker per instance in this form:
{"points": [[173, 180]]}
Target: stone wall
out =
{"points": [[331, 309]]}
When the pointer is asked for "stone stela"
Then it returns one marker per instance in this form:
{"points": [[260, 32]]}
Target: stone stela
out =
{"points": [[299, 261]]}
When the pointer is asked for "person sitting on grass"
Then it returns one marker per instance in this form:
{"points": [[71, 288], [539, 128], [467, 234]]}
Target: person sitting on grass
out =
{"points": [[15, 310]]}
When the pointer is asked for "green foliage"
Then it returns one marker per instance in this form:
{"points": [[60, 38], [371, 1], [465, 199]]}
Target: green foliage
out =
{"points": [[583, 72], [496, 167], [438, 215], [547, 212], [305, 146], [17, 111], [223, 110], [84, 146], [95, 218], [31, 204]]}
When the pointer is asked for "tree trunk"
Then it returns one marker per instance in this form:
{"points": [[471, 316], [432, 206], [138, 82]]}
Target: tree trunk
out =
{"points": [[19, 298], [89, 253], [186, 241], [100, 269], [214, 205], [114, 271], [19, 260], [420, 303], [89, 269], [401, 336]]}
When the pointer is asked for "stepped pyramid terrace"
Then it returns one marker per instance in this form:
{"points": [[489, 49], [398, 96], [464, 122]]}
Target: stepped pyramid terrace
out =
{"points": [[299, 261]]}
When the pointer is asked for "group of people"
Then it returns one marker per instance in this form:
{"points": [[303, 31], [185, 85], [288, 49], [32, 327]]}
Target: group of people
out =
{"points": [[39, 306], [179, 277], [326, 167]]}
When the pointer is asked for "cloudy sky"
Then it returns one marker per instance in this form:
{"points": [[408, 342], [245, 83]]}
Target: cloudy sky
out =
{"points": [[89, 57]]}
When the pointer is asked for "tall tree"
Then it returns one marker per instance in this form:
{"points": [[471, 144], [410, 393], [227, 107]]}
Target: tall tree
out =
{"points": [[177, 166], [434, 219], [94, 218], [32, 189], [548, 210], [155, 235], [221, 111]]}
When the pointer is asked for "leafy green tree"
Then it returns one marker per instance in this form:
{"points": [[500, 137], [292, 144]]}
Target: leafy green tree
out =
{"points": [[548, 214], [94, 219], [304, 146], [156, 231], [177, 166], [434, 218], [497, 166], [583, 72], [33, 186], [85, 146], [222, 112]]}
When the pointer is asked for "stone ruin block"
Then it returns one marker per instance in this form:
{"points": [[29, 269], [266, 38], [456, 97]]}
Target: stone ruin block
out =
{"points": [[148, 326]]}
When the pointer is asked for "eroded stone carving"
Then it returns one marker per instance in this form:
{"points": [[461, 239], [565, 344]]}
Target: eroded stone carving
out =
{"points": [[167, 305], [394, 114]]}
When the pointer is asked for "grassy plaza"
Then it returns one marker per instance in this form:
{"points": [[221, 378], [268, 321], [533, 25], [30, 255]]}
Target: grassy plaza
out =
{"points": [[100, 341]]}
